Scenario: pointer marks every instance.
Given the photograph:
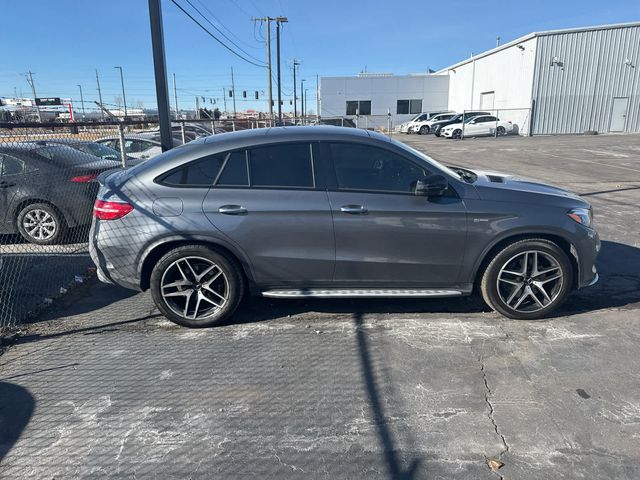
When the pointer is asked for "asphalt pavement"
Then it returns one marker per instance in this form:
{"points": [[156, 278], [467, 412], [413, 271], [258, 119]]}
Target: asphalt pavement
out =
{"points": [[102, 386]]}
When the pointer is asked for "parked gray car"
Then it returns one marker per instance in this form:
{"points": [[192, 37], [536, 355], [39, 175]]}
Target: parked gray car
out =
{"points": [[297, 212]]}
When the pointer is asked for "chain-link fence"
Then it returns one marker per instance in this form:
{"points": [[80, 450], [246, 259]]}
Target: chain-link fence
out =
{"points": [[48, 186]]}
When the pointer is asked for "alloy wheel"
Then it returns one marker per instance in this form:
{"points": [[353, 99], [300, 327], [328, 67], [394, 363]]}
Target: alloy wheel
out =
{"points": [[530, 281], [194, 288], [39, 224]]}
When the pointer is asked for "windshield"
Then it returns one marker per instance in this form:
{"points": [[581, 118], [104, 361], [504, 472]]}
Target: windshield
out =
{"points": [[426, 158], [101, 151]]}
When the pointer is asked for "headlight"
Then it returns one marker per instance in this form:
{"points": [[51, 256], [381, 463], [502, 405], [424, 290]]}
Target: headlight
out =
{"points": [[583, 216]]}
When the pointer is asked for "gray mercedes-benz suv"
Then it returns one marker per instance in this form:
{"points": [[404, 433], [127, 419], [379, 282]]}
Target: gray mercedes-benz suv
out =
{"points": [[334, 212]]}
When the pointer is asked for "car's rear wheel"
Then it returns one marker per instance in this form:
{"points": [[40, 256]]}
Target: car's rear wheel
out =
{"points": [[437, 132], [457, 133], [196, 286], [424, 129], [527, 279], [41, 223]]}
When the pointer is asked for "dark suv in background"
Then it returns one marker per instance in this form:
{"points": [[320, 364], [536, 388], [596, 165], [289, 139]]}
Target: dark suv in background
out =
{"points": [[334, 212]]}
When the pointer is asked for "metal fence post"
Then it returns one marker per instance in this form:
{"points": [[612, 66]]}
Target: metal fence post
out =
{"points": [[389, 122], [184, 138], [495, 133], [123, 155], [463, 119], [233, 124], [213, 128]]}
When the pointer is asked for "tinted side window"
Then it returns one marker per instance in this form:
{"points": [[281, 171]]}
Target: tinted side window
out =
{"points": [[136, 146], [281, 166], [10, 165], [361, 167], [199, 173], [235, 172]]}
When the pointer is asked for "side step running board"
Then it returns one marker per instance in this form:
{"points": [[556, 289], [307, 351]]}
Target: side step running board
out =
{"points": [[346, 293]]}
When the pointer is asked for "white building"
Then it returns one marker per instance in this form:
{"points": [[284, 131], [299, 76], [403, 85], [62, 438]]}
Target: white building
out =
{"points": [[554, 82], [373, 96]]}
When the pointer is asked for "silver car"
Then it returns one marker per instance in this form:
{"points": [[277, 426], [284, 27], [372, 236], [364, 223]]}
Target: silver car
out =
{"points": [[333, 212]]}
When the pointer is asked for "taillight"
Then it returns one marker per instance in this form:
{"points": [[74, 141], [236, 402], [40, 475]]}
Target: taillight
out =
{"points": [[84, 178], [110, 210]]}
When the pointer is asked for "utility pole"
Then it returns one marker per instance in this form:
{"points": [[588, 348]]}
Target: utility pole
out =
{"points": [[124, 98], [279, 20], [295, 113], [175, 94], [224, 99], [233, 93], [29, 76], [306, 96], [160, 73], [268, 20], [317, 99], [99, 93], [302, 100], [197, 107], [81, 100]]}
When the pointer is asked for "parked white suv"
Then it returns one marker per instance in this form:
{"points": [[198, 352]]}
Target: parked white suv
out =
{"points": [[478, 126], [424, 127]]}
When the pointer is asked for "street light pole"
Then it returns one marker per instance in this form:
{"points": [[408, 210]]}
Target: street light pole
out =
{"points": [[295, 101], [81, 100], [124, 98]]}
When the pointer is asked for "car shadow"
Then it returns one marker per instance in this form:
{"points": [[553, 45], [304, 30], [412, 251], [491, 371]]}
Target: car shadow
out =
{"points": [[16, 408], [618, 266]]}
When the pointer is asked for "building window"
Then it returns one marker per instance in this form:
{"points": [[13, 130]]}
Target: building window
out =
{"points": [[409, 106], [358, 107]]}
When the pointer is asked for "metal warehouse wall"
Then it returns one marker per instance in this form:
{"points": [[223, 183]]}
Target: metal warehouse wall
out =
{"points": [[578, 93], [384, 92]]}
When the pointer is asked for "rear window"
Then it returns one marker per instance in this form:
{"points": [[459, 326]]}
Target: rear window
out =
{"points": [[62, 155], [199, 173], [235, 173]]}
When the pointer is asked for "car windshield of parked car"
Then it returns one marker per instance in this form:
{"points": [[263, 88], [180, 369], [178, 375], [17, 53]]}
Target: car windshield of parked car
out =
{"points": [[100, 150]]}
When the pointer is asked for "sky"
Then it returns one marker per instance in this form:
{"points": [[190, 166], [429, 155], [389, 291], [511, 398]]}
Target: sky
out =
{"points": [[63, 42]]}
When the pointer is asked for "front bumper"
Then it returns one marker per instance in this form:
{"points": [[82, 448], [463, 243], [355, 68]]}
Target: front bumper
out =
{"points": [[586, 251]]}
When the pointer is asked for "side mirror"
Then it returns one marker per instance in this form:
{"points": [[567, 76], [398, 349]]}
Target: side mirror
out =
{"points": [[432, 186]]}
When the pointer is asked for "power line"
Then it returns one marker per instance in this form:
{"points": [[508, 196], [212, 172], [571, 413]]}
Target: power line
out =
{"points": [[216, 38], [221, 32], [226, 28]]}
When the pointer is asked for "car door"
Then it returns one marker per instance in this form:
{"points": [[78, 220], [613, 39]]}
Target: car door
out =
{"points": [[270, 202], [11, 178], [386, 235], [473, 127]]}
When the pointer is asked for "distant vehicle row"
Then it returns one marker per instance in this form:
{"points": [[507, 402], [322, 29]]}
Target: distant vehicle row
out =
{"points": [[455, 125]]}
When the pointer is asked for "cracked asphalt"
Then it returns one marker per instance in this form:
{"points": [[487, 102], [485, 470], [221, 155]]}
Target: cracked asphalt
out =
{"points": [[102, 386]]}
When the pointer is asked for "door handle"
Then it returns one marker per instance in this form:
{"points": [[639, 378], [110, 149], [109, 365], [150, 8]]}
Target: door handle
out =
{"points": [[4, 184], [232, 210], [353, 209]]}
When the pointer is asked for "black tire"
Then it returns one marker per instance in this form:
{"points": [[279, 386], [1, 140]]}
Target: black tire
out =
{"points": [[41, 223], [500, 130], [457, 134], [231, 279], [493, 292], [437, 132], [424, 130]]}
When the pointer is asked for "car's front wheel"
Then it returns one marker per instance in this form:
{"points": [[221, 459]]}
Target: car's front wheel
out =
{"points": [[424, 130], [196, 286], [457, 133], [527, 279]]}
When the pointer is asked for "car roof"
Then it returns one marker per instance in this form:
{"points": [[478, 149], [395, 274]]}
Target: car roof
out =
{"points": [[293, 133]]}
